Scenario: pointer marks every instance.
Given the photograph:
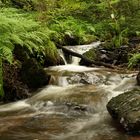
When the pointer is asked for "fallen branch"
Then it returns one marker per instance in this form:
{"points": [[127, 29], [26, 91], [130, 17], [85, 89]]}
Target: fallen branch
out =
{"points": [[85, 58]]}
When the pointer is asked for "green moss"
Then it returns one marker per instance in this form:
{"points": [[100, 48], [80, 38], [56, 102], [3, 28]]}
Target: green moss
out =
{"points": [[91, 54], [51, 51], [52, 56]]}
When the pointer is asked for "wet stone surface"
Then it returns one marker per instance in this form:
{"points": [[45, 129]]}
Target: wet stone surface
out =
{"points": [[126, 109]]}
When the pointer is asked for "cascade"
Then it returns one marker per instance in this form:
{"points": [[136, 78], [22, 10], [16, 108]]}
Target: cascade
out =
{"points": [[72, 107], [62, 55], [79, 49]]}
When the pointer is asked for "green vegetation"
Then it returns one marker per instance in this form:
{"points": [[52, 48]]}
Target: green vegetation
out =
{"points": [[40, 25], [19, 28], [134, 60]]}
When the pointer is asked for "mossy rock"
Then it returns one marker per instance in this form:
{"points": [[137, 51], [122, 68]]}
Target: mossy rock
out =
{"points": [[125, 108], [115, 56], [33, 74], [91, 54], [52, 57]]}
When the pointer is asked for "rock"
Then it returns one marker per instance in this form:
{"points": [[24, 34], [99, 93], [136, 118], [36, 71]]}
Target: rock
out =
{"points": [[14, 88], [91, 54], [53, 62], [68, 57], [125, 108], [33, 74], [85, 78], [115, 56], [52, 56]]}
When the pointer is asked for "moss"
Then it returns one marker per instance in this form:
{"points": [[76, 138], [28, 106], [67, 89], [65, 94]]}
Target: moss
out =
{"points": [[91, 54], [52, 56]]}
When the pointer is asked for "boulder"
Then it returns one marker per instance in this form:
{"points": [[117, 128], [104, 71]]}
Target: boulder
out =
{"points": [[125, 108], [33, 74], [91, 54], [113, 56], [14, 88], [52, 56]]}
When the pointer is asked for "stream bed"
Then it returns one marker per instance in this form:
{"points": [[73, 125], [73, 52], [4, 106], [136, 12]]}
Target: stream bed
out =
{"points": [[72, 107]]}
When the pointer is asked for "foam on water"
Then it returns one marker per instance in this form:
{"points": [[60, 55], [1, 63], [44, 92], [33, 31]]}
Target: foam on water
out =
{"points": [[72, 68], [14, 106]]}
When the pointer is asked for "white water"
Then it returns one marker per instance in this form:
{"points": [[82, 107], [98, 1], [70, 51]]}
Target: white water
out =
{"points": [[72, 68], [62, 55]]}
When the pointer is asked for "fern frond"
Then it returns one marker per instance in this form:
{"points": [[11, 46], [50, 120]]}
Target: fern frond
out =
{"points": [[16, 39]]}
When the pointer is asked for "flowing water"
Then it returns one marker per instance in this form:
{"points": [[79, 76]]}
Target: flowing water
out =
{"points": [[72, 107]]}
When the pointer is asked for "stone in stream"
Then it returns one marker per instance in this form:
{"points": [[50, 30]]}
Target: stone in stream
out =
{"points": [[115, 56], [14, 88], [125, 108]]}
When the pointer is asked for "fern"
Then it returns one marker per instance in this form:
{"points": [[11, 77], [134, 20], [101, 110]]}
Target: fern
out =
{"points": [[133, 61]]}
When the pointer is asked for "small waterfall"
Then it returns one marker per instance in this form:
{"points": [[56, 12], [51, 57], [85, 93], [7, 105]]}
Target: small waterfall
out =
{"points": [[81, 49], [62, 55], [75, 60]]}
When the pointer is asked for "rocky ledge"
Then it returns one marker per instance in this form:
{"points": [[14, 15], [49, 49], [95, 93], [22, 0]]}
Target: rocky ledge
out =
{"points": [[125, 108]]}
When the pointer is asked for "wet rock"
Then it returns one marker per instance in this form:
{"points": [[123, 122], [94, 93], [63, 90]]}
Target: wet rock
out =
{"points": [[76, 107], [14, 88], [115, 56], [125, 108], [68, 57], [52, 56], [54, 61], [85, 78], [91, 54], [33, 74]]}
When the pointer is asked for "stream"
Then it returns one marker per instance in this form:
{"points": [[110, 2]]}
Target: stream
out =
{"points": [[71, 107]]}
